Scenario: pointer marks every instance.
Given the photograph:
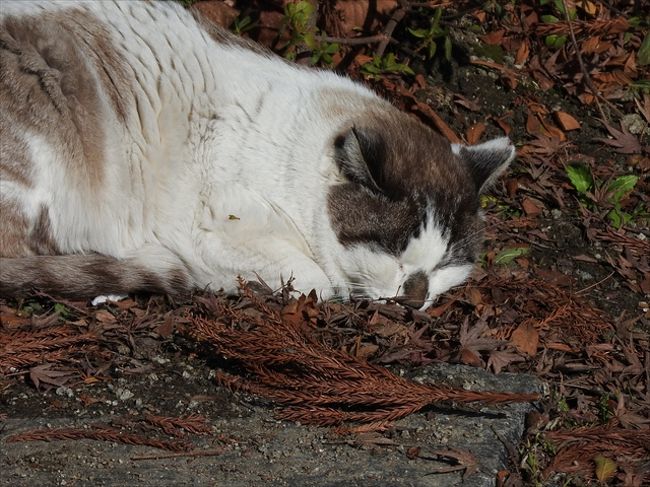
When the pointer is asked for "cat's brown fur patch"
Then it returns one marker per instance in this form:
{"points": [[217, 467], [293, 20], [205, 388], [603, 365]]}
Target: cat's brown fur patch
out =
{"points": [[86, 276], [13, 229], [56, 71], [414, 169]]}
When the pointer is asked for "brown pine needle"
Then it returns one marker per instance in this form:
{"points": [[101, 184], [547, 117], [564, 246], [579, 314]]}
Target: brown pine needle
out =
{"points": [[101, 433], [194, 423], [317, 384]]}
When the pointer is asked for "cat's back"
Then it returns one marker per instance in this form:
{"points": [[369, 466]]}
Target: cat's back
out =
{"points": [[67, 103]]}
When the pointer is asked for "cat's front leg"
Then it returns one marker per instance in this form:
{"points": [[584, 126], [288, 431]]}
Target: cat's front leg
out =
{"points": [[239, 233], [271, 260], [304, 273]]}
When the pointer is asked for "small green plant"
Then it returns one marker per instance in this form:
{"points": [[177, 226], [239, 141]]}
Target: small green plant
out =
{"points": [[30, 308], [385, 64], [62, 310], [431, 37], [580, 177], [298, 19], [562, 405], [618, 189], [506, 256], [594, 193], [323, 53], [242, 25], [604, 412], [556, 41], [530, 463], [507, 211]]}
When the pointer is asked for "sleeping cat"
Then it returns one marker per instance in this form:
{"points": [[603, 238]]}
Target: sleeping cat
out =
{"points": [[142, 149]]}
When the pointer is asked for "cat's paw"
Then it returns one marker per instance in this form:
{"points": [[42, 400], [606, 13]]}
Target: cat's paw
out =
{"points": [[108, 298]]}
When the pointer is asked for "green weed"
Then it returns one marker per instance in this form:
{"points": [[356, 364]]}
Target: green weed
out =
{"points": [[304, 34], [243, 25], [431, 37], [387, 64], [594, 194]]}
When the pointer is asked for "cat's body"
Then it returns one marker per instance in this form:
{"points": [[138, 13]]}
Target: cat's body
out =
{"points": [[143, 150]]}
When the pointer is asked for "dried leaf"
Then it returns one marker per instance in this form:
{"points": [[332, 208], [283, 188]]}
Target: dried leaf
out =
{"points": [[469, 357], [566, 121], [104, 316], [439, 123], [44, 374], [525, 339], [167, 326], [218, 12], [589, 7], [522, 53], [505, 126], [531, 207], [494, 38], [366, 350], [623, 141], [605, 468], [499, 359], [475, 132], [533, 125]]}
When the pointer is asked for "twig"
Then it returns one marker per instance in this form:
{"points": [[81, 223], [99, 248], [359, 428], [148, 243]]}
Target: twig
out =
{"points": [[395, 19], [354, 41], [596, 283], [99, 433], [532, 242], [194, 453], [430, 4]]}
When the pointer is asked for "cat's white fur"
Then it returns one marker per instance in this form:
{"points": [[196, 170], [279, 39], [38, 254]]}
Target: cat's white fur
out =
{"points": [[223, 168]]}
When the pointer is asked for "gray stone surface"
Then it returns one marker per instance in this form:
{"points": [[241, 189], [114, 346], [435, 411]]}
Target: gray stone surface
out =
{"points": [[261, 450]]}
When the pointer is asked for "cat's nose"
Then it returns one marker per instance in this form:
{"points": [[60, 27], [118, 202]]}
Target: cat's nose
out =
{"points": [[415, 290]]}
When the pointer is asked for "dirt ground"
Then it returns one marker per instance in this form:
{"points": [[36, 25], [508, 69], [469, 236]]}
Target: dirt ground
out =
{"points": [[246, 446], [558, 305]]}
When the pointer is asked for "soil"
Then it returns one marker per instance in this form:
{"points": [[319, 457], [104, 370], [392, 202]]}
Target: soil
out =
{"points": [[253, 449]]}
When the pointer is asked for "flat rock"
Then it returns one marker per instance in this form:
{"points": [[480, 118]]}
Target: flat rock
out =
{"points": [[257, 449]]}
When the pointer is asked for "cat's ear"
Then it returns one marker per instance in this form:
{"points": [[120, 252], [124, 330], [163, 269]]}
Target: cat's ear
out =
{"points": [[360, 154], [486, 161]]}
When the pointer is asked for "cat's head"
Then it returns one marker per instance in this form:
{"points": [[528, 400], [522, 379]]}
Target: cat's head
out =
{"points": [[407, 213]]}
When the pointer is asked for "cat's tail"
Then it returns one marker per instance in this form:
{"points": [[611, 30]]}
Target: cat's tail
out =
{"points": [[87, 276]]}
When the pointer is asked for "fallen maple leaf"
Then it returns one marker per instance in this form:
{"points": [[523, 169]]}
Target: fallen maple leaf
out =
{"points": [[461, 460], [623, 141], [500, 359], [473, 339], [44, 374]]}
